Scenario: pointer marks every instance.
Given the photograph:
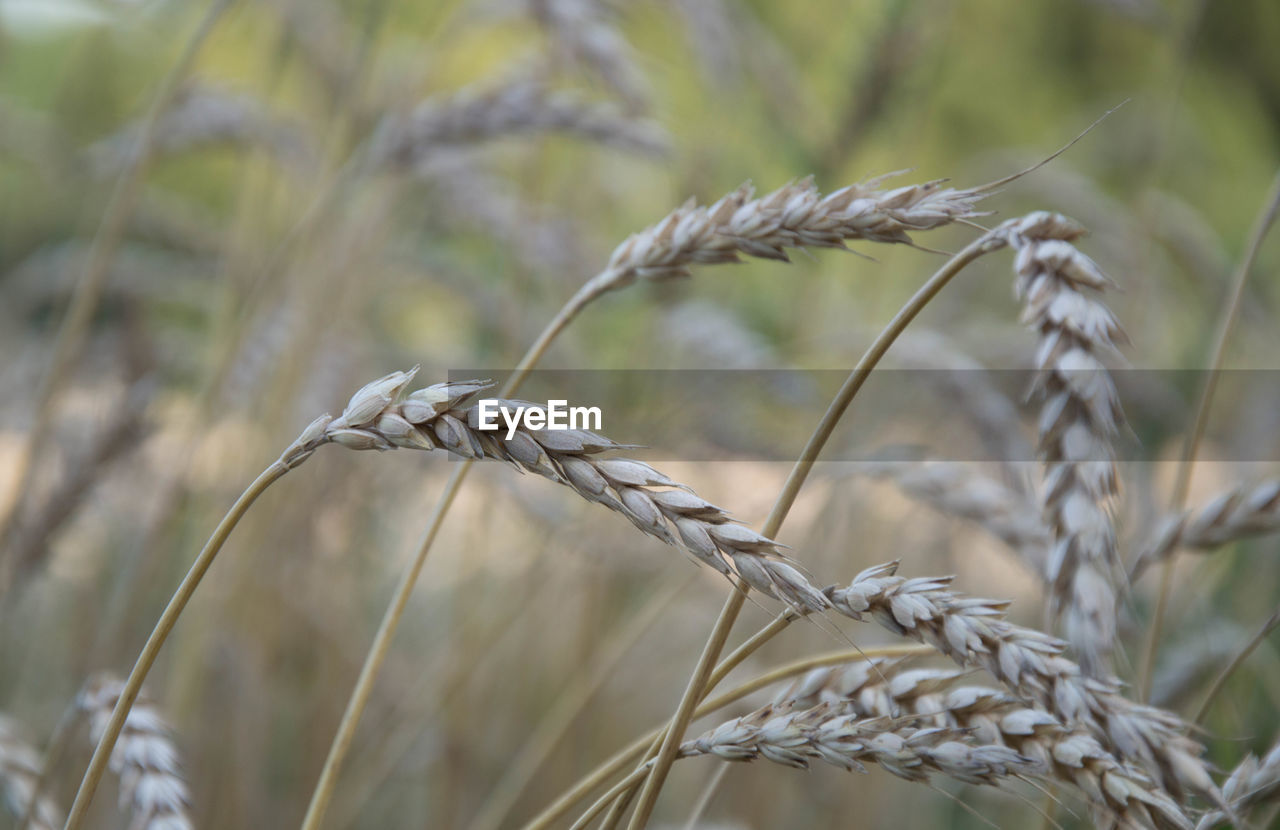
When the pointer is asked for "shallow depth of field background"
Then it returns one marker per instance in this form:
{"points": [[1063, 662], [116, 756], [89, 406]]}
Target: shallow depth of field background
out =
{"points": [[248, 298]]}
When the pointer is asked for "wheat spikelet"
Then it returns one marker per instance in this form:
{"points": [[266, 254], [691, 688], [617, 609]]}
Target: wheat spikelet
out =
{"points": [[526, 105], [377, 418], [797, 737], [20, 770], [1251, 783], [1237, 514], [974, 632], [145, 759], [1080, 414], [1120, 796]]}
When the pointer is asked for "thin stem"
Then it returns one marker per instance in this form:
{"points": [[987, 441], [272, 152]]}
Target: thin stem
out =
{"points": [[631, 752], [569, 704], [799, 473], [88, 289], [98, 764], [1221, 680], [378, 651], [1191, 447]]}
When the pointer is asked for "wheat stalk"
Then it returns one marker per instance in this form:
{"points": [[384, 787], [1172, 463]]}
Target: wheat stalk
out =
{"points": [[974, 632], [20, 773], [1239, 513], [1120, 796], [1080, 414], [144, 758]]}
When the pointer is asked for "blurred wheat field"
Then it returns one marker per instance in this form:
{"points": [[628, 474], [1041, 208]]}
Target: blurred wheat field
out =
{"points": [[221, 219]]}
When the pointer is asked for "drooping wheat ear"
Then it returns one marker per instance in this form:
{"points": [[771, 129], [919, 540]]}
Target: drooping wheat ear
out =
{"points": [[822, 733], [518, 107], [1237, 514], [957, 489], [974, 632], [378, 418], [1119, 796], [20, 770], [144, 758], [794, 216], [1250, 784], [1057, 285], [205, 116]]}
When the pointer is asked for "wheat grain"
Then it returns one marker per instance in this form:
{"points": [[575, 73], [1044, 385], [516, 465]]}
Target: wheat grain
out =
{"points": [[1239, 513], [1080, 414], [144, 758], [20, 772], [1119, 796], [974, 632]]}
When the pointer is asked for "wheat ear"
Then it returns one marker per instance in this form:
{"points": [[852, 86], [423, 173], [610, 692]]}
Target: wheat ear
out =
{"points": [[145, 758], [522, 106], [1081, 412], [1239, 513], [1119, 796], [1251, 783], [974, 632], [20, 771]]}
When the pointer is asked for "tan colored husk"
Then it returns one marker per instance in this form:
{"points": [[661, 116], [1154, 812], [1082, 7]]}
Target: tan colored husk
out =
{"points": [[1080, 413], [974, 632], [145, 759], [1239, 513], [20, 770], [379, 418], [1118, 796]]}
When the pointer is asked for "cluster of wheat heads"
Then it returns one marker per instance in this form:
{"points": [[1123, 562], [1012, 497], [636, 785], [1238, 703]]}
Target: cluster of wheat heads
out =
{"points": [[1053, 721]]}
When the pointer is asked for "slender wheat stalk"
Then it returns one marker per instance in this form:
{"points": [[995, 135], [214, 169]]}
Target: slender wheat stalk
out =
{"points": [[20, 772]]}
